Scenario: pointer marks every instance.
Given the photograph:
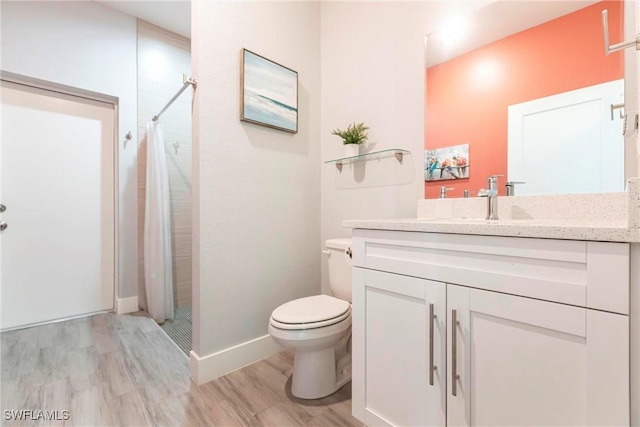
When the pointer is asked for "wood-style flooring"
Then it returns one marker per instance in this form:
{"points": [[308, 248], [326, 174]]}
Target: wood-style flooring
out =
{"points": [[110, 370]]}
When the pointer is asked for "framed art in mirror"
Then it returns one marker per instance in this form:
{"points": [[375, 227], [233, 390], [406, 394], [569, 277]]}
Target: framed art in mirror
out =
{"points": [[447, 163], [268, 93]]}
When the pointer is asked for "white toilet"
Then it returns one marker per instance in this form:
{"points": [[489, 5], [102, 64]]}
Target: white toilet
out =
{"points": [[319, 328]]}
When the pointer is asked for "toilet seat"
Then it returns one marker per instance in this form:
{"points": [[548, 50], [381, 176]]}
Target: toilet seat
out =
{"points": [[314, 325], [310, 313]]}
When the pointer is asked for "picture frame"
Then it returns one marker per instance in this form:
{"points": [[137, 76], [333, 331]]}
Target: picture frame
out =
{"points": [[268, 93], [446, 163]]}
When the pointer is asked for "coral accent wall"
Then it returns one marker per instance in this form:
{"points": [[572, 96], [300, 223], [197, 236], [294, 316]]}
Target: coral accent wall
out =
{"points": [[467, 97]]}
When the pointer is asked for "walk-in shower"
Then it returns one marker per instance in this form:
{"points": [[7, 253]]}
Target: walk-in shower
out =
{"points": [[164, 181]]}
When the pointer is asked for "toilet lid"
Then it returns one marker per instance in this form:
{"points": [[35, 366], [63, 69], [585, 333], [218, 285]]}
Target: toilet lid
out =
{"points": [[313, 309]]}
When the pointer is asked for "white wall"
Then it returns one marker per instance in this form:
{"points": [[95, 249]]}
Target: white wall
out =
{"points": [[92, 47], [174, 16], [634, 332], [256, 190], [372, 71]]}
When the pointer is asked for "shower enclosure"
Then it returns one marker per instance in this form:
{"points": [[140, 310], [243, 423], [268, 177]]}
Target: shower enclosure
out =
{"points": [[163, 104]]}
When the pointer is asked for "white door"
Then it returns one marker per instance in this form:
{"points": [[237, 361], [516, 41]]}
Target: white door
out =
{"points": [[526, 362], [400, 350], [568, 143], [57, 183]]}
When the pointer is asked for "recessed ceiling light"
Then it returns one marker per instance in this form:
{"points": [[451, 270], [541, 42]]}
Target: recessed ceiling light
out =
{"points": [[454, 30]]}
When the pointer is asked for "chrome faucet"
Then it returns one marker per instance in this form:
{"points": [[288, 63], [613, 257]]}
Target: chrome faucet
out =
{"points": [[443, 191], [510, 187], [492, 196]]}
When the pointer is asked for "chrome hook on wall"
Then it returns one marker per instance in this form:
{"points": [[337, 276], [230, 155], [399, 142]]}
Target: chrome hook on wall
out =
{"points": [[618, 46], [176, 145], [128, 136], [618, 107]]}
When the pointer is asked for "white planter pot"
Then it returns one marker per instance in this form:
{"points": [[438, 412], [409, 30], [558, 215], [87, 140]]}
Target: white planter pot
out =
{"points": [[351, 150]]}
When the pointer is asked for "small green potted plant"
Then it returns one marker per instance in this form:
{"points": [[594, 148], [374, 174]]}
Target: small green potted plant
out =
{"points": [[353, 137]]}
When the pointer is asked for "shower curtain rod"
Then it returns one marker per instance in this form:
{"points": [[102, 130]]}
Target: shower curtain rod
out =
{"points": [[186, 82]]}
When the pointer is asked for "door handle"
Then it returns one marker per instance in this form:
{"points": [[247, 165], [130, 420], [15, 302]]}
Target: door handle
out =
{"points": [[432, 366], [3, 226], [454, 353]]}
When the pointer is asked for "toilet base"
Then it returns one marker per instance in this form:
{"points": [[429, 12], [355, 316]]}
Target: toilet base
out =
{"points": [[319, 373], [322, 359]]}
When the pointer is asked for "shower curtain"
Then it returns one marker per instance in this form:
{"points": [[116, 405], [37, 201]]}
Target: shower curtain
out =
{"points": [[158, 268]]}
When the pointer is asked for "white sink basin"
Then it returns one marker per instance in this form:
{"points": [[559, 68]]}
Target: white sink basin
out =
{"points": [[478, 221]]}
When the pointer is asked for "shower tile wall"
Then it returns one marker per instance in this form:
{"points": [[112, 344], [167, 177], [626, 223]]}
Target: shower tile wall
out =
{"points": [[162, 59]]}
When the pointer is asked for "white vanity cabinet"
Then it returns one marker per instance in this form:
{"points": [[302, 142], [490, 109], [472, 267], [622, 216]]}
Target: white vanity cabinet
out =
{"points": [[522, 361], [520, 331], [404, 338]]}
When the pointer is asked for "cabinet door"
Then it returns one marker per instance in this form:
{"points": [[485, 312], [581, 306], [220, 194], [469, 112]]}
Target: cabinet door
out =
{"points": [[519, 361], [392, 385]]}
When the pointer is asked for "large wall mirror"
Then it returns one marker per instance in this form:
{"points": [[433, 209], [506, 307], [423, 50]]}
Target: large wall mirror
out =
{"points": [[524, 89]]}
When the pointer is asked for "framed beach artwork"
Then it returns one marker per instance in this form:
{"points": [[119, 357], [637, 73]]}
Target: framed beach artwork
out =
{"points": [[446, 163], [269, 93]]}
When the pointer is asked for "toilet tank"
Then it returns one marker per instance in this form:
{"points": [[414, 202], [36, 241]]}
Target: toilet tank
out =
{"points": [[340, 267]]}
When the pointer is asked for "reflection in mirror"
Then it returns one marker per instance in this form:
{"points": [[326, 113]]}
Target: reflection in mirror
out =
{"points": [[535, 99]]}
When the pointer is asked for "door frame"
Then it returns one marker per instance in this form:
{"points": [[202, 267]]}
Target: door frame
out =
{"points": [[93, 96]]}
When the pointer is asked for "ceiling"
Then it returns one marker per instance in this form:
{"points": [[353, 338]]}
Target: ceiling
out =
{"points": [[490, 23], [170, 14]]}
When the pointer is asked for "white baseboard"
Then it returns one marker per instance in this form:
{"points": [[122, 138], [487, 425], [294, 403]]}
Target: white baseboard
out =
{"points": [[212, 366], [127, 305]]}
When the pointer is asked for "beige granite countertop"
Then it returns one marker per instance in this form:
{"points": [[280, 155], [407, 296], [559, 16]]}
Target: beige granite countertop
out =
{"points": [[606, 231], [605, 217]]}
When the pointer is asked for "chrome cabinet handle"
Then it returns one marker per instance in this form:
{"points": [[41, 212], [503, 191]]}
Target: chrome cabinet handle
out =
{"points": [[454, 353], [2, 208], [432, 366], [3, 226]]}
